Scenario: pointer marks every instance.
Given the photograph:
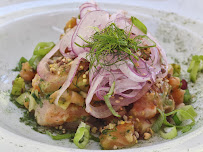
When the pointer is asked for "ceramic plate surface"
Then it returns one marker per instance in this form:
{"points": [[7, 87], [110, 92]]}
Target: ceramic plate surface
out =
{"points": [[25, 23]]}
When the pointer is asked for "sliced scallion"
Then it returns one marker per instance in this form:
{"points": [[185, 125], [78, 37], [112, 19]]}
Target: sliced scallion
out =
{"points": [[42, 48], [139, 24], [196, 66], [158, 123], [82, 136], [176, 120], [187, 97], [107, 100], [194, 71], [169, 135], [60, 137]]}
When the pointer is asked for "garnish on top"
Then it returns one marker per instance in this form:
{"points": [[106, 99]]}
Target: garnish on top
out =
{"points": [[112, 44]]}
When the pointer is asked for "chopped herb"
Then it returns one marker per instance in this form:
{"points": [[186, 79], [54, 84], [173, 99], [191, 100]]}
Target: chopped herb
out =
{"points": [[84, 118], [105, 131], [116, 44], [37, 98], [96, 139], [114, 138], [29, 119]]}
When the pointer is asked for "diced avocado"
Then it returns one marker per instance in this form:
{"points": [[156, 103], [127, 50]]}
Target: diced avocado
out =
{"points": [[26, 97], [18, 86]]}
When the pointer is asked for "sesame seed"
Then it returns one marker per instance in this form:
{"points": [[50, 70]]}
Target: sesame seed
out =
{"points": [[84, 80], [84, 94], [129, 137], [122, 122], [84, 76], [137, 119], [137, 134], [151, 131], [125, 117], [134, 138], [70, 63], [69, 59], [137, 64], [117, 101], [81, 67], [115, 147], [94, 130], [86, 72], [121, 98], [147, 136]]}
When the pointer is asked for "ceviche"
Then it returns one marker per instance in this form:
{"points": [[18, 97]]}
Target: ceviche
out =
{"points": [[107, 79]]}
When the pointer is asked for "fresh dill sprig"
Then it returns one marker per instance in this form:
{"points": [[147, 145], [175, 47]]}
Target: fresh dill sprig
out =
{"points": [[112, 45]]}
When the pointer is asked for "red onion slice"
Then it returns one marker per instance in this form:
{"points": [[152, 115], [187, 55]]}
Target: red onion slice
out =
{"points": [[102, 111], [95, 19], [132, 74], [120, 101], [66, 43], [117, 15], [70, 76], [87, 4], [131, 95], [85, 10], [98, 112], [97, 80], [164, 63], [125, 24]]}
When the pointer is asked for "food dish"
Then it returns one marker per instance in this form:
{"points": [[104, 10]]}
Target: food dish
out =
{"points": [[108, 74]]}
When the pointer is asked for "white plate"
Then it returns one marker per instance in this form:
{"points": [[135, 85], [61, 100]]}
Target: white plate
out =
{"points": [[23, 24]]}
